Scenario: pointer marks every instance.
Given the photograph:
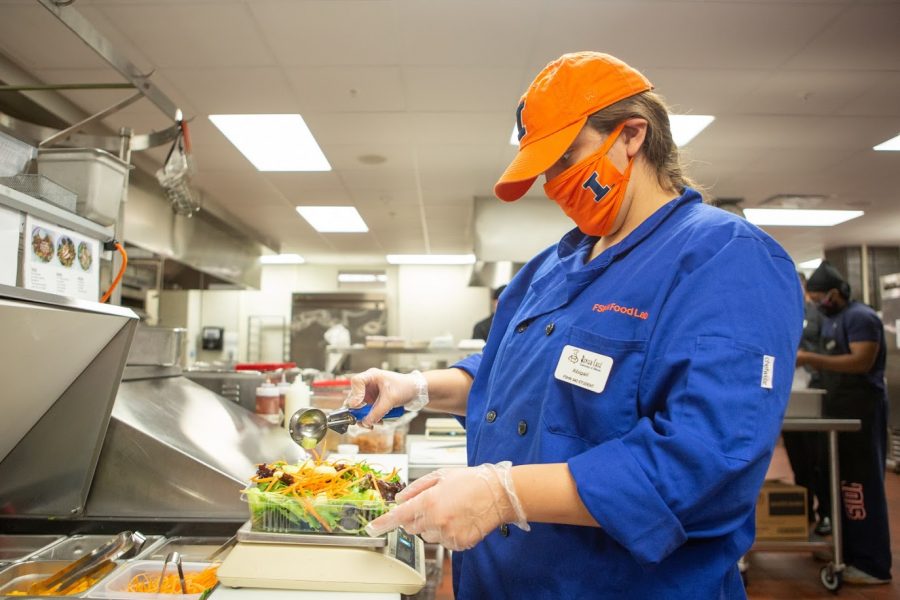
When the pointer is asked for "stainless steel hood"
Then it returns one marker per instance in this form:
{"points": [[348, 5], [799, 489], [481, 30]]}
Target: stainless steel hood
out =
{"points": [[516, 231], [179, 452], [63, 360]]}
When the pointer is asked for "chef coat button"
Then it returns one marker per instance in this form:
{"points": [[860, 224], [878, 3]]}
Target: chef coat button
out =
{"points": [[523, 427], [522, 327], [549, 328], [504, 530], [491, 416]]}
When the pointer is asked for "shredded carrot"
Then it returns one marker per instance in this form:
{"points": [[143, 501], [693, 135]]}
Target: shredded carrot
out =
{"points": [[196, 582]]}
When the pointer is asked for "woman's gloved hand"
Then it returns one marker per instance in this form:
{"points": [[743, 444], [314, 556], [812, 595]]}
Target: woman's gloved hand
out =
{"points": [[384, 390], [456, 507]]}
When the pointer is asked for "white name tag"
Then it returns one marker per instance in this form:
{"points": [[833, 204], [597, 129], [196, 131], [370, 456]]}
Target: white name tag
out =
{"points": [[768, 372], [585, 369]]}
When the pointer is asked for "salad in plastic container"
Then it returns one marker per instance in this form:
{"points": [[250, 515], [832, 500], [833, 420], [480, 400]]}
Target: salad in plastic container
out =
{"points": [[319, 496]]}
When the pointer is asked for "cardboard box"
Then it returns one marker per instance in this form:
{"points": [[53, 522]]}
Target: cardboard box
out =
{"points": [[781, 512]]}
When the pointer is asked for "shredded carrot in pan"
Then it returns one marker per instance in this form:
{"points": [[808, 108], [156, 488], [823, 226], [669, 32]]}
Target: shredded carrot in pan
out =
{"points": [[195, 583]]}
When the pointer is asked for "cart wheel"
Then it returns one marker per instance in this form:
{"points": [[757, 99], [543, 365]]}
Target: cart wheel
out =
{"points": [[830, 579]]}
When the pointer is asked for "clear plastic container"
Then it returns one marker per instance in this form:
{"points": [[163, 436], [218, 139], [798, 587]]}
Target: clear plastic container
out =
{"points": [[277, 513], [378, 440], [116, 585]]}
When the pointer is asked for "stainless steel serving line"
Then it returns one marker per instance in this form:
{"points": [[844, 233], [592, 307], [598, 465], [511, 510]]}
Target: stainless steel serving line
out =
{"points": [[91, 446]]}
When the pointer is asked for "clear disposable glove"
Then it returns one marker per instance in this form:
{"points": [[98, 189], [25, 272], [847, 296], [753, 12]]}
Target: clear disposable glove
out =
{"points": [[456, 507], [384, 390]]}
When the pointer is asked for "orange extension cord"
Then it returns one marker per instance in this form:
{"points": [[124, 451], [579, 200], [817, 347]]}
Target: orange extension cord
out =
{"points": [[119, 275]]}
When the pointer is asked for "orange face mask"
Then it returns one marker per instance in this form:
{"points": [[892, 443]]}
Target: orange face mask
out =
{"points": [[591, 192]]}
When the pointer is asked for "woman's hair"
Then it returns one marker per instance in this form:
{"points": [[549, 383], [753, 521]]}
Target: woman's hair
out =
{"points": [[659, 147]]}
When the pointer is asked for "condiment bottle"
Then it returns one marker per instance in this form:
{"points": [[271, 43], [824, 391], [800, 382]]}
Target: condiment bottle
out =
{"points": [[267, 403], [283, 387], [297, 397]]}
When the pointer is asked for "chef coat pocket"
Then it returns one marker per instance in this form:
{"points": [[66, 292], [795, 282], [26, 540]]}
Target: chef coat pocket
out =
{"points": [[729, 403], [571, 409]]}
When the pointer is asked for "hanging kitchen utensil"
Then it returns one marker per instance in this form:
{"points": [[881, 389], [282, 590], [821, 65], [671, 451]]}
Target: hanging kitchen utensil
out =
{"points": [[176, 173]]}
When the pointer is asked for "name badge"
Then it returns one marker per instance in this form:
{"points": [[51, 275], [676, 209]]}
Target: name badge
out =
{"points": [[583, 368]]}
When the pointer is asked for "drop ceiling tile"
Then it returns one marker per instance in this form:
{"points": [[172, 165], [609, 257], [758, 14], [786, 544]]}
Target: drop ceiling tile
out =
{"points": [[235, 90], [393, 128], [232, 189], [325, 186], [330, 32], [723, 35], [462, 89], [185, 34], [462, 128], [864, 36], [881, 99], [705, 91], [378, 180], [347, 156], [805, 92], [467, 32], [347, 88], [35, 39]]}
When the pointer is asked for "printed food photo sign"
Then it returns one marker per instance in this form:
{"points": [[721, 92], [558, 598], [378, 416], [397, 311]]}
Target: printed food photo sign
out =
{"points": [[60, 261]]}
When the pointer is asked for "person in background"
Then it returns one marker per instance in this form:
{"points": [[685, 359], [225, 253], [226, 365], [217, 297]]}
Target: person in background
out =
{"points": [[851, 363], [803, 448], [483, 327], [624, 411]]}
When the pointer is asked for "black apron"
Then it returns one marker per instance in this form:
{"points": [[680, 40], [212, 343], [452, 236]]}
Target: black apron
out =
{"points": [[864, 517]]}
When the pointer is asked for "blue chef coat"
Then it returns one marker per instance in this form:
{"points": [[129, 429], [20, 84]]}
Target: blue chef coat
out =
{"points": [[701, 315]]}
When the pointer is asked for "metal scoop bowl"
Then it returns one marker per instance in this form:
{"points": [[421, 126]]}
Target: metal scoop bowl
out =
{"points": [[308, 426]]}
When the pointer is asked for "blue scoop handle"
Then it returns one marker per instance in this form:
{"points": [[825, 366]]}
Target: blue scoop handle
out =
{"points": [[363, 411]]}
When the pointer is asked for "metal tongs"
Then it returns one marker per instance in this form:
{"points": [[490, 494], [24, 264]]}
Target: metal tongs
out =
{"points": [[308, 426], [96, 564], [174, 558]]}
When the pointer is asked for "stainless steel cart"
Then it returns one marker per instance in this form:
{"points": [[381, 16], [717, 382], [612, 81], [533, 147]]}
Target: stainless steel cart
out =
{"points": [[831, 574]]}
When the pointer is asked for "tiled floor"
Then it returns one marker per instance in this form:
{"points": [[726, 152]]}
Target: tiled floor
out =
{"points": [[782, 576]]}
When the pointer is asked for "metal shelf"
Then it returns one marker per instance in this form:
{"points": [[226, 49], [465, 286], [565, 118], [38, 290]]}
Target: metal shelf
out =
{"points": [[41, 209]]}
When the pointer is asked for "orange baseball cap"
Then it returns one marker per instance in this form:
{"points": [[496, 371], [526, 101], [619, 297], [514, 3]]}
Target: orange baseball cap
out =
{"points": [[555, 108]]}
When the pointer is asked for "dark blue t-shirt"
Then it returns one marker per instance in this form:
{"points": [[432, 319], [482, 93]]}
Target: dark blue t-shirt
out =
{"points": [[857, 323]]}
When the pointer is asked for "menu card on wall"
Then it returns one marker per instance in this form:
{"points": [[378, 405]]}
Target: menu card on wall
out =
{"points": [[10, 224], [60, 261]]}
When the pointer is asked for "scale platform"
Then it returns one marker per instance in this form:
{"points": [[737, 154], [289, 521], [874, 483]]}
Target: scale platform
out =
{"points": [[339, 563]]}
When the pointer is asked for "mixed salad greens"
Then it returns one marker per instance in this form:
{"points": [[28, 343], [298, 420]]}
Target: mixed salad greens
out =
{"points": [[319, 496]]}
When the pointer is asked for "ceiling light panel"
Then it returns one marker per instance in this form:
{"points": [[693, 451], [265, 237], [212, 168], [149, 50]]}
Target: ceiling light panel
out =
{"points": [[273, 142], [891, 145], [798, 217], [333, 219]]}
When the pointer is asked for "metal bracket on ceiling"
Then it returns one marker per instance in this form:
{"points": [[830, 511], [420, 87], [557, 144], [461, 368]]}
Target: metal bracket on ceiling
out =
{"points": [[40, 135], [89, 34]]}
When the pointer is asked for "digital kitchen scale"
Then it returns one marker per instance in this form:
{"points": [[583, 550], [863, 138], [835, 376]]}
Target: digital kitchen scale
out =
{"points": [[340, 563]]}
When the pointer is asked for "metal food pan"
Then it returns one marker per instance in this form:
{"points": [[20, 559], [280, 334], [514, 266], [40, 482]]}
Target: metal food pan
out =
{"points": [[73, 548], [18, 547], [190, 548], [19, 576]]}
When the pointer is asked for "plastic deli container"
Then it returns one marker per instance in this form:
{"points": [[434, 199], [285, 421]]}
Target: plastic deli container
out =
{"points": [[378, 440], [96, 176], [277, 513], [116, 585]]}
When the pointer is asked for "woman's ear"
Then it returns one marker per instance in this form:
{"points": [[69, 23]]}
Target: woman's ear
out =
{"points": [[633, 135]]}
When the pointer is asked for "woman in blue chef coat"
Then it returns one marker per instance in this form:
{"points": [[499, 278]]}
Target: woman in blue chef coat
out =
{"points": [[621, 418]]}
